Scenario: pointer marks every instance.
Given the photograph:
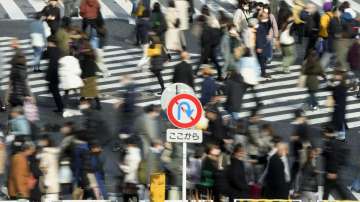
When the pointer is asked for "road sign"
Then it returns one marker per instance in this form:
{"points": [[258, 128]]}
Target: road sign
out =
{"points": [[173, 90], [184, 111], [184, 136]]}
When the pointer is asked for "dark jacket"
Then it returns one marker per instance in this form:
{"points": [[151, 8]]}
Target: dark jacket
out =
{"points": [[312, 25], [276, 185], [157, 62], [331, 156], [208, 90], [88, 65], [309, 178], [208, 173], [96, 126], [339, 93], [158, 23], [238, 187], [261, 33], [18, 81], [52, 74], [353, 56], [183, 74], [312, 71], [235, 89], [52, 11]]}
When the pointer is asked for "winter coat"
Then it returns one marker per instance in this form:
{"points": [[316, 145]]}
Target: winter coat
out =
{"points": [[249, 68], [37, 33], [52, 72], [309, 178], [52, 11], [88, 66], [240, 20], [69, 73], [234, 90], [341, 47], [172, 35], [331, 156], [89, 9], [63, 41], [353, 56], [49, 164], [131, 164], [276, 185], [157, 62], [227, 46], [96, 126], [236, 175], [183, 74], [19, 126], [339, 93], [19, 176], [209, 169], [312, 71], [324, 24], [208, 90], [182, 7], [19, 88], [148, 129], [261, 34], [312, 25], [158, 23]]}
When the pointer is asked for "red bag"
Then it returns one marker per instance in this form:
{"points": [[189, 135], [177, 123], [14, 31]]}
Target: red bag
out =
{"points": [[255, 191]]}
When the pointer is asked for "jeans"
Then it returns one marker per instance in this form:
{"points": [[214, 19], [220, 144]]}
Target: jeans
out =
{"points": [[160, 79], [37, 56], [54, 89], [269, 50], [312, 100], [262, 61]]}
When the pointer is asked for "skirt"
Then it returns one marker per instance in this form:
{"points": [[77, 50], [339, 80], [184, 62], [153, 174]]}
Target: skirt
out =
{"points": [[89, 90]]}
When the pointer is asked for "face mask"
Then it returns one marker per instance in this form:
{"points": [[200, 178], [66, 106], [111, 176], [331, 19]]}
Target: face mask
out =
{"points": [[83, 106], [246, 7], [265, 20]]}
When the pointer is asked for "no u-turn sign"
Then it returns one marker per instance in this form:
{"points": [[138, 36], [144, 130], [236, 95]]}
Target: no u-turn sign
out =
{"points": [[184, 111]]}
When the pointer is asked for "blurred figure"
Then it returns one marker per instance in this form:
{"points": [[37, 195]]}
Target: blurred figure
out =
{"points": [[308, 185], [63, 38], [273, 35], [143, 28], [236, 174], [278, 174], [311, 17], [287, 43], [97, 164], [89, 11], [71, 8], [312, 69], [173, 35], [19, 125], [20, 179], [88, 74], [52, 16], [298, 22], [261, 39], [241, 15], [208, 86], [158, 22], [353, 59], [130, 167], [324, 26], [183, 71], [52, 73], [49, 165], [19, 90], [38, 37], [230, 41]]}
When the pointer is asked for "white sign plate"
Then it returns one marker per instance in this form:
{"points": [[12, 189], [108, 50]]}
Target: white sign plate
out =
{"points": [[184, 136]]}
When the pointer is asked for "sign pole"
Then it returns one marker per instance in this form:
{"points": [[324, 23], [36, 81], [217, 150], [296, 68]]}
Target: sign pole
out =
{"points": [[184, 166]]}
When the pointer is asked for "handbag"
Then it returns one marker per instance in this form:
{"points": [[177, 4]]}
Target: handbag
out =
{"points": [[302, 81], [31, 111], [154, 50], [330, 102]]}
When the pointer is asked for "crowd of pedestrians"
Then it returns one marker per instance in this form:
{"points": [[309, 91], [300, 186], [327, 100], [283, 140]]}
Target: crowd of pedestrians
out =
{"points": [[239, 158]]}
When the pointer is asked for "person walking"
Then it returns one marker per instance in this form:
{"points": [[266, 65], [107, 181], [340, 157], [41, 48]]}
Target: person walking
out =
{"points": [[38, 37], [261, 40], [88, 74], [52, 74], [311, 18], [241, 15], [89, 11], [183, 71], [158, 22], [208, 86], [51, 13], [324, 27], [353, 59], [312, 70], [287, 43], [20, 180], [172, 35]]}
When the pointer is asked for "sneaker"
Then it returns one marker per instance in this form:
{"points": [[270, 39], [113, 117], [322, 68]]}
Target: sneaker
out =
{"points": [[314, 108], [158, 94]]}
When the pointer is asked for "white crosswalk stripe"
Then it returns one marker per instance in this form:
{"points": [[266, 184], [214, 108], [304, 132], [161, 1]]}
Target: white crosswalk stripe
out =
{"points": [[37, 4], [12, 10], [281, 96]]}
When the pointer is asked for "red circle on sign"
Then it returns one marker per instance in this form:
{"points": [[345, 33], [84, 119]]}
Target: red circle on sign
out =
{"points": [[174, 102]]}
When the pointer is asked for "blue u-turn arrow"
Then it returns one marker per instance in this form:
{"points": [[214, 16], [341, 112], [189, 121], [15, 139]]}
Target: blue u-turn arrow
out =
{"points": [[188, 110]]}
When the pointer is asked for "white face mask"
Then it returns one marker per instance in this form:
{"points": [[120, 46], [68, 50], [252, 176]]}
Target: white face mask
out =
{"points": [[246, 7], [84, 106], [265, 20]]}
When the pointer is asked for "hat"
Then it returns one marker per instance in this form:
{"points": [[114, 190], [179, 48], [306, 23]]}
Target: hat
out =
{"points": [[327, 6]]}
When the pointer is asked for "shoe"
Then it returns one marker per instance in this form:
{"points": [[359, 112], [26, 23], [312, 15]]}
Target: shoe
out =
{"points": [[158, 94], [314, 108]]}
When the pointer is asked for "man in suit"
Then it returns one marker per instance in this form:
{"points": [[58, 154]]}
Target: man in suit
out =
{"points": [[183, 71], [278, 174]]}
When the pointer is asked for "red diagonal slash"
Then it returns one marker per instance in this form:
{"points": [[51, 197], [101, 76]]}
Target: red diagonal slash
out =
{"points": [[182, 109]]}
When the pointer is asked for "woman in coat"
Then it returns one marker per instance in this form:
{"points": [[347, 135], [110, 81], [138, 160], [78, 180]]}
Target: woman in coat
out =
{"points": [[158, 22], [89, 68], [312, 69], [20, 177], [308, 185], [18, 90], [69, 75], [172, 35], [52, 15]]}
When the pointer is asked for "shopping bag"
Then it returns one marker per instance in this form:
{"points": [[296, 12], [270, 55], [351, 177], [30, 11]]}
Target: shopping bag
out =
{"points": [[144, 63], [31, 111], [255, 191], [154, 50], [330, 102], [302, 81]]}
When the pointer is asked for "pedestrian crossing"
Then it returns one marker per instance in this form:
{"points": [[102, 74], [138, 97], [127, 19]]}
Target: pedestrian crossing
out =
{"points": [[115, 9], [280, 95]]}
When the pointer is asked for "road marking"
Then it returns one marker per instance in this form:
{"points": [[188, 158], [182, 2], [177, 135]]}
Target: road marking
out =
{"points": [[37, 4], [13, 10], [106, 11]]}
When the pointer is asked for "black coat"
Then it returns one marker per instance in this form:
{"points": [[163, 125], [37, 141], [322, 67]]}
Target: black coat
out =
{"points": [[183, 74], [96, 126], [331, 156], [52, 73], [88, 66], [18, 84], [309, 178], [157, 62], [238, 187], [338, 117], [52, 11], [235, 89], [276, 185]]}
